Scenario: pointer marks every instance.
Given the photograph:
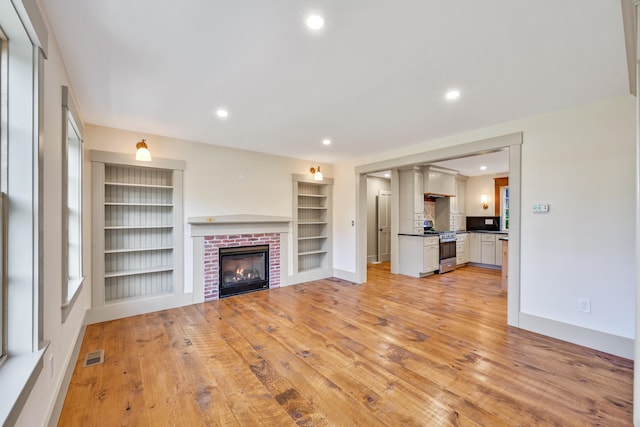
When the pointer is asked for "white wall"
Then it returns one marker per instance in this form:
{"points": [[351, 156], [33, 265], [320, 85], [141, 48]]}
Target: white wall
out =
{"points": [[62, 336], [476, 186], [217, 180], [581, 162]]}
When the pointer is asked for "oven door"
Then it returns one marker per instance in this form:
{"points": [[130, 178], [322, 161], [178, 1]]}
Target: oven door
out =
{"points": [[447, 250]]}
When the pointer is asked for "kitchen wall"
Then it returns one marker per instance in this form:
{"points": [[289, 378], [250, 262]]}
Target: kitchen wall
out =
{"points": [[374, 185], [573, 160], [476, 187]]}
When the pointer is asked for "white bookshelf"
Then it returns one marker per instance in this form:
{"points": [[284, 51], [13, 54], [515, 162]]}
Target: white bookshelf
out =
{"points": [[312, 228], [137, 233]]}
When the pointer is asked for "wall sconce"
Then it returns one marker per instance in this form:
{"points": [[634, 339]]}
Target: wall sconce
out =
{"points": [[317, 175], [483, 200], [143, 154]]}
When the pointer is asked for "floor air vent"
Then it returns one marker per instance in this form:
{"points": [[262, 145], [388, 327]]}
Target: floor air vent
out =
{"points": [[93, 358]]}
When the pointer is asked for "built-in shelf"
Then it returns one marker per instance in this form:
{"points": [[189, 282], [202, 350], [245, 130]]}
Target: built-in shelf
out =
{"points": [[166, 205], [312, 227], [136, 272], [138, 207], [130, 184], [311, 253], [120, 251], [134, 227]]}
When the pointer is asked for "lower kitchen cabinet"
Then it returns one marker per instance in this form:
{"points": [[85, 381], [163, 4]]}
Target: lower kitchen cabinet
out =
{"points": [[419, 256], [462, 248], [488, 249], [475, 246], [485, 248], [431, 254]]}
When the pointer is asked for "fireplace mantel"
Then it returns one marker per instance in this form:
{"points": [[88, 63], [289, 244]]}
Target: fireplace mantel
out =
{"points": [[235, 230], [210, 225]]}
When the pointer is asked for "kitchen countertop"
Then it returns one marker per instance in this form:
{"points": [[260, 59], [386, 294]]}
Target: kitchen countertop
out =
{"points": [[487, 231], [506, 233]]}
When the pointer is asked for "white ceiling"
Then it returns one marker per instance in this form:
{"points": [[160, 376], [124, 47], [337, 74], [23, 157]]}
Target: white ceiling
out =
{"points": [[493, 163], [372, 80]]}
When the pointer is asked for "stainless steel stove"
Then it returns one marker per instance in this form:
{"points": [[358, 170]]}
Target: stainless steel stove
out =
{"points": [[447, 247]]}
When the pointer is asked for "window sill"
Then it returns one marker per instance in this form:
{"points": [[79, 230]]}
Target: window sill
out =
{"points": [[18, 375], [68, 305]]}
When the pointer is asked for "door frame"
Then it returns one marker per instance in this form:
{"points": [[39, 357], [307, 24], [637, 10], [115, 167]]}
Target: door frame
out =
{"points": [[511, 141], [382, 193]]}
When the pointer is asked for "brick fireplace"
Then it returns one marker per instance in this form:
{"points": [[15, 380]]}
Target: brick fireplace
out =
{"points": [[209, 234]]}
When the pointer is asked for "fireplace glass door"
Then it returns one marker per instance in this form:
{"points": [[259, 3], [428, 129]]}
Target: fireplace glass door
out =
{"points": [[243, 269]]}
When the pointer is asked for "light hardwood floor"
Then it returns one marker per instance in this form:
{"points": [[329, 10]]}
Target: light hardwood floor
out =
{"points": [[395, 351]]}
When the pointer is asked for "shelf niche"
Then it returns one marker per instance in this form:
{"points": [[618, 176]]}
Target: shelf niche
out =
{"points": [[138, 236], [312, 217]]}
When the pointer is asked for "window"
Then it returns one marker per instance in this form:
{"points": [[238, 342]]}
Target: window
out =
{"points": [[3, 234], [23, 48], [71, 204]]}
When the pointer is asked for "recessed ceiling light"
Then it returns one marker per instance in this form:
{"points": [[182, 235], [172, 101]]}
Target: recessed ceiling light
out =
{"points": [[387, 175], [483, 168], [452, 94], [315, 22], [326, 141], [222, 113]]}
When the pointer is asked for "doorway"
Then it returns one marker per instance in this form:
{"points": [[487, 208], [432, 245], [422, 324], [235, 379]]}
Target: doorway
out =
{"points": [[511, 141], [378, 217]]}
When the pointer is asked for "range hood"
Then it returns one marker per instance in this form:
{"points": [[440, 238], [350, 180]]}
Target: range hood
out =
{"points": [[439, 182]]}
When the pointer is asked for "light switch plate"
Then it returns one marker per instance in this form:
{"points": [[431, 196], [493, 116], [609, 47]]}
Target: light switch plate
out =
{"points": [[541, 208]]}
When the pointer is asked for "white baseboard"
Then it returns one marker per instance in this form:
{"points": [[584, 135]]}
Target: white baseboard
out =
{"points": [[135, 307], [345, 275], [308, 276], [608, 343], [54, 417]]}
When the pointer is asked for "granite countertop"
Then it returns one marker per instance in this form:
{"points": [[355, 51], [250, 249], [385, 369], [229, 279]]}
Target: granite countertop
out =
{"points": [[487, 231], [417, 235]]}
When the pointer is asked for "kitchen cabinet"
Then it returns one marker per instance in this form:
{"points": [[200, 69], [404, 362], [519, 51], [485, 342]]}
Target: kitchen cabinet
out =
{"points": [[457, 203], [488, 249], [411, 201], [462, 248], [475, 245], [439, 181], [431, 254], [419, 256]]}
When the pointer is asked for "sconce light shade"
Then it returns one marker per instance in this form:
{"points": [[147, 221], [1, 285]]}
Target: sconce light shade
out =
{"points": [[143, 154], [483, 200], [317, 175]]}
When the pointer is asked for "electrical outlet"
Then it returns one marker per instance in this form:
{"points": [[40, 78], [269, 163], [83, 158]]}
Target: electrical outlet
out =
{"points": [[51, 366], [584, 305]]}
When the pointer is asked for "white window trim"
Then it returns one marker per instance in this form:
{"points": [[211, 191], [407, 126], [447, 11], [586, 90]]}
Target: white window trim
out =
{"points": [[70, 115], [27, 40]]}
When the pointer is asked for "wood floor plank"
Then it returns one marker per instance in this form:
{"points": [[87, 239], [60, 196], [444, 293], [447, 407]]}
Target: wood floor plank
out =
{"points": [[394, 351]]}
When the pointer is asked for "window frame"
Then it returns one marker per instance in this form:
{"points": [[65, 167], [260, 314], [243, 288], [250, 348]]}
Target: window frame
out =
{"points": [[3, 211], [71, 283], [21, 168]]}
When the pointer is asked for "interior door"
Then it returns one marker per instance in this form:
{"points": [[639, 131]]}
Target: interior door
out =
{"points": [[384, 225]]}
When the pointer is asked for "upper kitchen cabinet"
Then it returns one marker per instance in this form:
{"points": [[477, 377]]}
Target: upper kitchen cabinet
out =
{"points": [[411, 198], [458, 202], [439, 182]]}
